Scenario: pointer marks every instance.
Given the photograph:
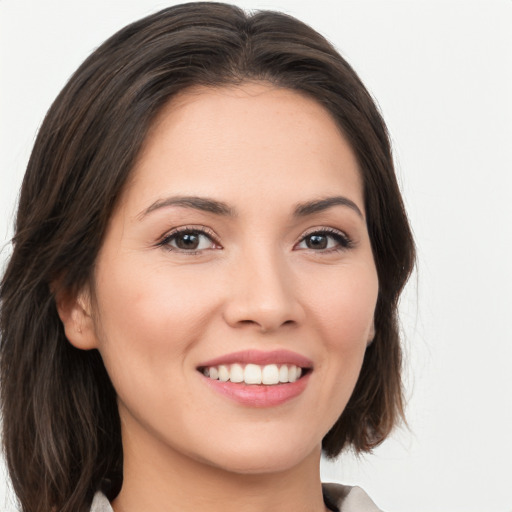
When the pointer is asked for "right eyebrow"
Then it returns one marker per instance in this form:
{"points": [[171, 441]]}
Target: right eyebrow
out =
{"points": [[204, 204], [320, 205]]}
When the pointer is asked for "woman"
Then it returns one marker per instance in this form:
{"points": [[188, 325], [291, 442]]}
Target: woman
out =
{"points": [[209, 250]]}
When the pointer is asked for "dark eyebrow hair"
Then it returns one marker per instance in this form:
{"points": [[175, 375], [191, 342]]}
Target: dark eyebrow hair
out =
{"points": [[320, 205], [219, 208], [198, 203]]}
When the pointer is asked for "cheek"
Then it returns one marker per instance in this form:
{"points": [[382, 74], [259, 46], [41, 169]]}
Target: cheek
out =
{"points": [[151, 314], [344, 307]]}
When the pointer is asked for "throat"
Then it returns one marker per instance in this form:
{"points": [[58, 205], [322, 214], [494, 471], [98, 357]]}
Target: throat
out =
{"points": [[188, 485]]}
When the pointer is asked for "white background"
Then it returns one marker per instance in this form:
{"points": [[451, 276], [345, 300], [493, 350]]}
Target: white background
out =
{"points": [[442, 74]]}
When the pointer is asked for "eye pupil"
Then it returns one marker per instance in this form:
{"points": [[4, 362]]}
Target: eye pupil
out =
{"points": [[187, 241], [316, 242]]}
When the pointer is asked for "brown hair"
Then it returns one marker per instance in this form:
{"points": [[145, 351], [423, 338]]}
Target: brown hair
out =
{"points": [[61, 428]]}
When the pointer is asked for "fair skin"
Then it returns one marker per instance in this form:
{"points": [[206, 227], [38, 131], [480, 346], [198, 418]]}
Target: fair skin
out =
{"points": [[262, 270]]}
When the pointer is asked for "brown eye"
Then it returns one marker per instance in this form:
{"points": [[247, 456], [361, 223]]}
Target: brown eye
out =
{"points": [[316, 241], [325, 241], [188, 241]]}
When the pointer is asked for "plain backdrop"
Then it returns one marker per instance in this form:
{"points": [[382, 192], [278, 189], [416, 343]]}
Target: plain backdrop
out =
{"points": [[442, 75]]}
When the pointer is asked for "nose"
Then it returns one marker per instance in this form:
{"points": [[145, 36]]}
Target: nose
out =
{"points": [[263, 293]]}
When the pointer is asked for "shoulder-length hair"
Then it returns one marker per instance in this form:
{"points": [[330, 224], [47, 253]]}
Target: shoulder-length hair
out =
{"points": [[61, 428]]}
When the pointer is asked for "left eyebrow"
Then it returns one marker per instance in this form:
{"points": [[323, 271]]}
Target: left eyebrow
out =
{"points": [[196, 203], [320, 205]]}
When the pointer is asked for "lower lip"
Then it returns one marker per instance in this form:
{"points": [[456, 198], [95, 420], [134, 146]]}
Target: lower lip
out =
{"points": [[254, 395]]}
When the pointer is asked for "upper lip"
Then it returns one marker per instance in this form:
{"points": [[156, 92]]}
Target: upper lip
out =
{"points": [[261, 358]]}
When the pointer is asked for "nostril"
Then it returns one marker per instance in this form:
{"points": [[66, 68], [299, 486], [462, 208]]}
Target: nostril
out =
{"points": [[265, 325], [247, 322]]}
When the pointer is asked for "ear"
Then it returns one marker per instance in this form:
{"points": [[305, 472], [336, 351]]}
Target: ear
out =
{"points": [[75, 314], [371, 334]]}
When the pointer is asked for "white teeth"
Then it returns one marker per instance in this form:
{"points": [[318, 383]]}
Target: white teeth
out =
{"points": [[237, 373], [268, 375], [223, 373], [252, 374]]}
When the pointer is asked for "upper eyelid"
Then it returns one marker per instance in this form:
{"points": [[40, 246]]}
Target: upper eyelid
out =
{"points": [[323, 229], [348, 241], [189, 228]]}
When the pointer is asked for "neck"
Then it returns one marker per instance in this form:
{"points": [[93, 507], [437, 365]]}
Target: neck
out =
{"points": [[159, 480]]}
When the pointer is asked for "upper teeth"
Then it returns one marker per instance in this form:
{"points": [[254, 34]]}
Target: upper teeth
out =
{"points": [[254, 374]]}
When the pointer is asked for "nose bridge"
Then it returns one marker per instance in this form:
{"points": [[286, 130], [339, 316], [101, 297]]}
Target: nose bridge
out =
{"points": [[263, 290]]}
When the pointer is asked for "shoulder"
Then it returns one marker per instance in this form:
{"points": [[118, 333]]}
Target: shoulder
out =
{"points": [[100, 503], [350, 499]]}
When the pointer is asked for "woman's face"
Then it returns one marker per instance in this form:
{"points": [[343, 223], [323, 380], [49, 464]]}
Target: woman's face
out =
{"points": [[239, 251]]}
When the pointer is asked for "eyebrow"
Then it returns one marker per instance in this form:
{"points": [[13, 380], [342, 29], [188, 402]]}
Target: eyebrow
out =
{"points": [[220, 208], [197, 203], [320, 205]]}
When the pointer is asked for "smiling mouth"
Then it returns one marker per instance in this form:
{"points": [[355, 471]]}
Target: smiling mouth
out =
{"points": [[253, 374]]}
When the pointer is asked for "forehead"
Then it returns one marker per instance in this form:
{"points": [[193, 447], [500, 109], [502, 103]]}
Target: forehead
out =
{"points": [[251, 137]]}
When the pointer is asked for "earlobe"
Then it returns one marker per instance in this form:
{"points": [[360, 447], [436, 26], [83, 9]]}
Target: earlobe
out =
{"points": [[75, 314]]}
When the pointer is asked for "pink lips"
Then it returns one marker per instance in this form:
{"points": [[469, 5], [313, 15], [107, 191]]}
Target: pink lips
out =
{"points": [[261, 358], [260, 395]]}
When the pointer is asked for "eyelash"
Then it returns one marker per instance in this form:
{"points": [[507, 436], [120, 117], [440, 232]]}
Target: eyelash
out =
{"points": [[343, 242], [189, 230]]}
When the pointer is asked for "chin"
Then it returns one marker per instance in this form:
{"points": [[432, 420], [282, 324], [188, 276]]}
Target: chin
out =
{"points": [[260, 458]]}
